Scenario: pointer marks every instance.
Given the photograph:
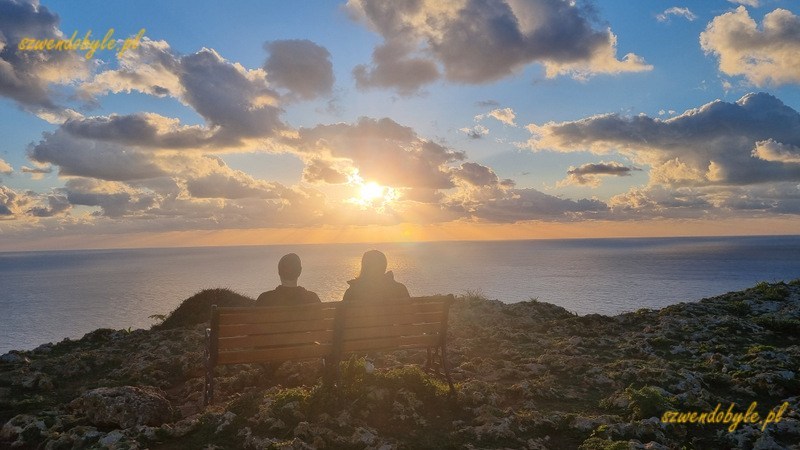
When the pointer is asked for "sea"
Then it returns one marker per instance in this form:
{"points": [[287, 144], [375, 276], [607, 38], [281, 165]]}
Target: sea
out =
{"points": [[46, 296]]}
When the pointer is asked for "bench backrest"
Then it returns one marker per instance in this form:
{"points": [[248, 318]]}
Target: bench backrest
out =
{"points": [[278, 333], [397, 324], [320, 330]]}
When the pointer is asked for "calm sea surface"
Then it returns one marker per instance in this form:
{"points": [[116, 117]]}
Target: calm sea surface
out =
{"points": [[47, 296]]}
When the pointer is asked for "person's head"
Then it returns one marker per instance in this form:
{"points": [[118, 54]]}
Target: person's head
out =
{"points": [[289, 267], [373, 264]]}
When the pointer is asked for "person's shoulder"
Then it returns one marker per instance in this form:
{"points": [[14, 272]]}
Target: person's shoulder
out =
{"points": [[310, 296], [266, 297]]}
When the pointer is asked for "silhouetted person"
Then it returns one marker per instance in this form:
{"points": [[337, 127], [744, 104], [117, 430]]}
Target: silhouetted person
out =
{"points": [[288, 293], [374, 283]]}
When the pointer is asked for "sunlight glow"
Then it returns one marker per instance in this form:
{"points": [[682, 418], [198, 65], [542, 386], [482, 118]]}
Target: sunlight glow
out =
{"points": [[371, 194], [371, 191]]}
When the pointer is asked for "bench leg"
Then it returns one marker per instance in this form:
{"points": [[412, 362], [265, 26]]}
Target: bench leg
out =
{"points": [[208, 387], [446, 368]]}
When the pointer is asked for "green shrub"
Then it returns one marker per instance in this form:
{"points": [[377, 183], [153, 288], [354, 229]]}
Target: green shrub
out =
{"points": [[647, 402], [767, 291]]}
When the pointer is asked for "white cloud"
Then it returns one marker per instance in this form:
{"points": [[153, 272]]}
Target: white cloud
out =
{"points": [[765, 55], [751, 3], [476, 132], [5, 168], [770, 150], [686, 13], [505, 115]]}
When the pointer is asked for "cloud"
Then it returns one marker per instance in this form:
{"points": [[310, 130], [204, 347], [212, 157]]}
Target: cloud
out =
{"points": [[505, 115], [148, 130], [487, 103], [751, 3], [301, 66], [676, 11], [393, 68], [382, 151], [513, 205], [115, 199], [765, 56], [37, 173], [76, 156], [770, 150], [318, 170], [478, 42], [5, 168], [12, 203], [590, 174], [710, 145], [476, 174], [26, 76], [56, 204], [236, 103], [476, 132], [234, 184], [151, 69]]}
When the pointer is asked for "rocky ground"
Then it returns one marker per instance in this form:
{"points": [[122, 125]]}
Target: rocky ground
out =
{"points": [[529, 375]]}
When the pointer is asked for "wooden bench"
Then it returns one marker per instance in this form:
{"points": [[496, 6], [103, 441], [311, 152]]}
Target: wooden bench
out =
{"points": [[330, 330]]}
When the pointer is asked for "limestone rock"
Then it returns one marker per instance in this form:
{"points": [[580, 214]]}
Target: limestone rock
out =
{"points": [[125, 406]]}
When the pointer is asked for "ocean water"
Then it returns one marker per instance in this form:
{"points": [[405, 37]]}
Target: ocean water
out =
{"points": [[47, 296]]}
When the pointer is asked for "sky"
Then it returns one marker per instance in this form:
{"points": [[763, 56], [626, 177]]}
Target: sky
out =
{"points": [[259, 122]]}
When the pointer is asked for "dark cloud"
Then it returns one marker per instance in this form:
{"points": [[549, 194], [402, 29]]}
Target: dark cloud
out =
{"points": [[114, 199], [711, 145], [56, 204], [483, 41], [91, 158], [232, 185], [319, 170], [140, 130], [235, 102], [476, 174], [301, 66], [228, 96], [26, 76], [589, 174], [529, 204], [393, 68]]}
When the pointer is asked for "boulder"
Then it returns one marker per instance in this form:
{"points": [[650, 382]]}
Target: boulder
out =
{"points": [[124, 406]]}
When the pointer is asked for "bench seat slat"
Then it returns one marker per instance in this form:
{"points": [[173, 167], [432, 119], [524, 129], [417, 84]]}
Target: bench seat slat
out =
{"points": [[275, 354], [267, 340], [275, 328], [404, 342]]}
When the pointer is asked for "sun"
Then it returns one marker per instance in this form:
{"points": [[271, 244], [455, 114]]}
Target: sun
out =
{"points": [[371, 191], [371, 195]]}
